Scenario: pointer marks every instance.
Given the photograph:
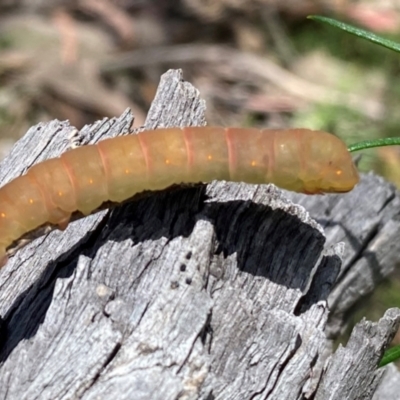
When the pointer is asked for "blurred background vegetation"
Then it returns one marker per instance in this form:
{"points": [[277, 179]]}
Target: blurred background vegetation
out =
{"points": [[256, 62]]}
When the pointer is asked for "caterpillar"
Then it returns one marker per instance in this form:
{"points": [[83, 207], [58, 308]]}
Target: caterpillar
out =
{"points": [[116, 169]]}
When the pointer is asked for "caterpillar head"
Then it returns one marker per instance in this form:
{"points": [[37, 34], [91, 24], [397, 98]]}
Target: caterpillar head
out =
{"points": [[335, 171]]}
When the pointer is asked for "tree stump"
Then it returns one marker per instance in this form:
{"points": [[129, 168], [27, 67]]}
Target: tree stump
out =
{"points": [[218, 291]]}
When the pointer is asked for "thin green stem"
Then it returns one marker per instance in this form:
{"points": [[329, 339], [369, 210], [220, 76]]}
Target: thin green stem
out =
{"points": [[390, 44], [369, 144]]}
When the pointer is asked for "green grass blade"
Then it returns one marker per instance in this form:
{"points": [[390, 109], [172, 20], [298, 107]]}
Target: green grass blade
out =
{"points": [[358, 32], [390, 355], [369, 144]]}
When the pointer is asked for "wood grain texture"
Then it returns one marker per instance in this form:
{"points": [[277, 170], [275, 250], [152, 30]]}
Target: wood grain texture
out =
{"points": [[367, 221], [214, 291]]}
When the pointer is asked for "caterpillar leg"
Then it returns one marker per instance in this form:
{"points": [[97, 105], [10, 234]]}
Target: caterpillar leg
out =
{"points": [[62, 224]]}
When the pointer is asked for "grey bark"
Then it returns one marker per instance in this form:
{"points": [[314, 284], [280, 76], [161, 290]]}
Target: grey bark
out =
{"points": [[216, 291]]}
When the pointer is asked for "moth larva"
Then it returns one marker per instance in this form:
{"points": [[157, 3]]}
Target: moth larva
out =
{"points": [[116, 169]]}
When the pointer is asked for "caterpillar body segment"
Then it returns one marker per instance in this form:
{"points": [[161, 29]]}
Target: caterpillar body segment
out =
{"points": [[116, 169]]}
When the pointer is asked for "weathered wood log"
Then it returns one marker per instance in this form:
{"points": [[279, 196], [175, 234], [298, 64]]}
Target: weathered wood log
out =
{"points": [[367, 221], [216, 291]]}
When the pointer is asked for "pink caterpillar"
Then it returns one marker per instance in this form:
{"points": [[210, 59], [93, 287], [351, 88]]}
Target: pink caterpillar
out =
{"points": [[116, 169]]}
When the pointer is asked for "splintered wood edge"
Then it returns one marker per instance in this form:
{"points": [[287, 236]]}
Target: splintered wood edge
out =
{"points": [[351, 371]]}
